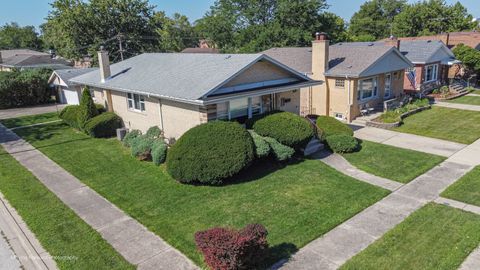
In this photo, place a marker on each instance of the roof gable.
(391, 61)
(425, 51)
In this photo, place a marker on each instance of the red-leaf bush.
(230, 249)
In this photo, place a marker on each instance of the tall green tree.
(470, 57)
(256, 25)
(374, 19)
(13, 36)
(174, 34)
(87, 109)
(432, 17)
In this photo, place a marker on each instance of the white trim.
(246, 86)
(140, 102)
(374, 95)
(434, 73)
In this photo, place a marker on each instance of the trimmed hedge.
(141, 147)
(130, 136)
(103, 126)
(342, 143)
(331, 126)
(154, 132)
(69, 115)
(25, 88)
(159, 152)
(285, 127)
(230, 249)
(280, 151)
(210, 153)
(251, 121)
(262, 148)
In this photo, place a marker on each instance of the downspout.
(349, 98)
(161, 114)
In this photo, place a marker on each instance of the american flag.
(412, 74)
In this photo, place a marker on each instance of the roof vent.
(228, 57)
(370, 44)
(429, 41)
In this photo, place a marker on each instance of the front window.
(136, 102)
(431, 73)
(367, 88)
(388, 85)
(238, 108)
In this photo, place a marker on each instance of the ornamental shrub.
(103, 126)
(342, 143)
(69, 115)
(280, 151)
(87, 109)
(132, 134)
(141, 147)
(159, 152)
(251, 121)
(262, 148)
(210, 153)
(229, 249)
(285, 127)
(154, 132)
(25, 88)
(331, 126)
(100, 108)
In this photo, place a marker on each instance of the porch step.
(312, 147)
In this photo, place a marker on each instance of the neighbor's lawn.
(29, 120)
(390, 162)
(471, 100)
(72, 243)
(444, 123)
(467, 189)
(435, 237)
(477, 92)
(297, 203)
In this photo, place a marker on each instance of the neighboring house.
(471, 39)
(203, 47)
(434, 63)
(24, 58)
(68, 92)
(357, 76)
(178, 91)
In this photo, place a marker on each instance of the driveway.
(18, 112)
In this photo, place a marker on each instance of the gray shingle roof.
(349, 59)
(10, 53)
(67, 74)
(422, 51)
(181, 76)
(24, 58)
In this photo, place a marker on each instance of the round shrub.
(103, 126)
(141, 147)
(262, 148)
(159, 152)
(287, 128)
(130, 136)
(280, 151)
(154, 132)
(342, 143)
(331, 126)
(69, 115)
(210, 153)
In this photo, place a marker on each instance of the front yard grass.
(435, 237)
(390, 162)
(72, 243)
(471, 100)
(455, 125)
(30, 120)
(297, 203)
(467, 189)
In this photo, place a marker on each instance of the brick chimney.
(320, 56)
(393, 41)
(104, 64)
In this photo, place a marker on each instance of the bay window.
(136, 102)
(431, 73)
(367, 88)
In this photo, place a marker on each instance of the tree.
(12, 36)
(374, 19)
(87, 109)
(256, 25)
(432, 17)
(175, 34)
(469, 57)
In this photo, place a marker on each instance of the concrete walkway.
(18, 112)
(409, 141)
(7, 257)
(473, 95)
(459, 106)
(131, 239)
(28, 250)
(339, 163)
(459, 205)
(472, 262)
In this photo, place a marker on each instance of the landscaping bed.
(296, 202)
(455, 125)
(467, 189)
(72, 243)
(393, 118)
(435, 237)
(444, 93)
(401, 165)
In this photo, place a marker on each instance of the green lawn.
(471, 100)
(29, 120)
(390, 162)
(72, 243)
(467, 189)
(444, 123)
(297, 203)
(477, 92)
(435, 237)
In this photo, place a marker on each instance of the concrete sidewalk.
(459, 106)
(409, 141)
(18, 112)
(7, 257)
(131, 239)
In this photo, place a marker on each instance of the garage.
(69, 96)
(67, 92)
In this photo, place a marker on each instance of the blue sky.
(33, 12)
